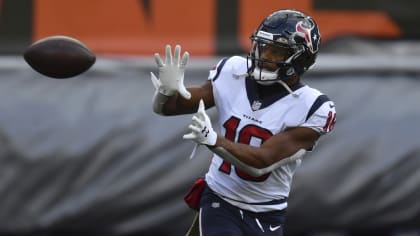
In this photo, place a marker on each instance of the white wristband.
(159, 101)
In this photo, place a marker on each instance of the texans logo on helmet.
(311, 34)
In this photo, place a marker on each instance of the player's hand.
(171, 73)
(201, 130)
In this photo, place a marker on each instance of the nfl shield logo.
(256, 105)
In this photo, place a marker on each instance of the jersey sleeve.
(322, 119)
(215, 71)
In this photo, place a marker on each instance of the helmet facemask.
(269, 71)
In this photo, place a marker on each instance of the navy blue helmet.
(290, 30)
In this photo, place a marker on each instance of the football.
(59, 57)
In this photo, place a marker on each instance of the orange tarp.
(131, 27)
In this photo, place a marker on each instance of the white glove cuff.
(211, 138)
(159, 101)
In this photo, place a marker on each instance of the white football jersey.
(245, 118)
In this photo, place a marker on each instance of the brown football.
(59, 57)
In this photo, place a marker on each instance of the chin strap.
(269, 82)
(237, 75)
(257, 72)
(288, 88)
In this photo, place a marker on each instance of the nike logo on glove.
(274, 228)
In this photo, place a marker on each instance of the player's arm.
(171, 97)
(278, 150)
(281, 148)
(177, 104)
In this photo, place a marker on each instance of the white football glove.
(201, 130)
(171, 73)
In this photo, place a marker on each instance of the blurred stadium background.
(86, 156)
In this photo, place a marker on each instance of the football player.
(267, 120)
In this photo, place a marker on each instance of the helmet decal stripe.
(307, 34)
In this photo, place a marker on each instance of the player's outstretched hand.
(201, 129)
(171, 73)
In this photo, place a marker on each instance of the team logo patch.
(256, 105)
(310, 33)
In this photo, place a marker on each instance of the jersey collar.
(260, 96)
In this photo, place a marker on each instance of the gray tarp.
(88, 154)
